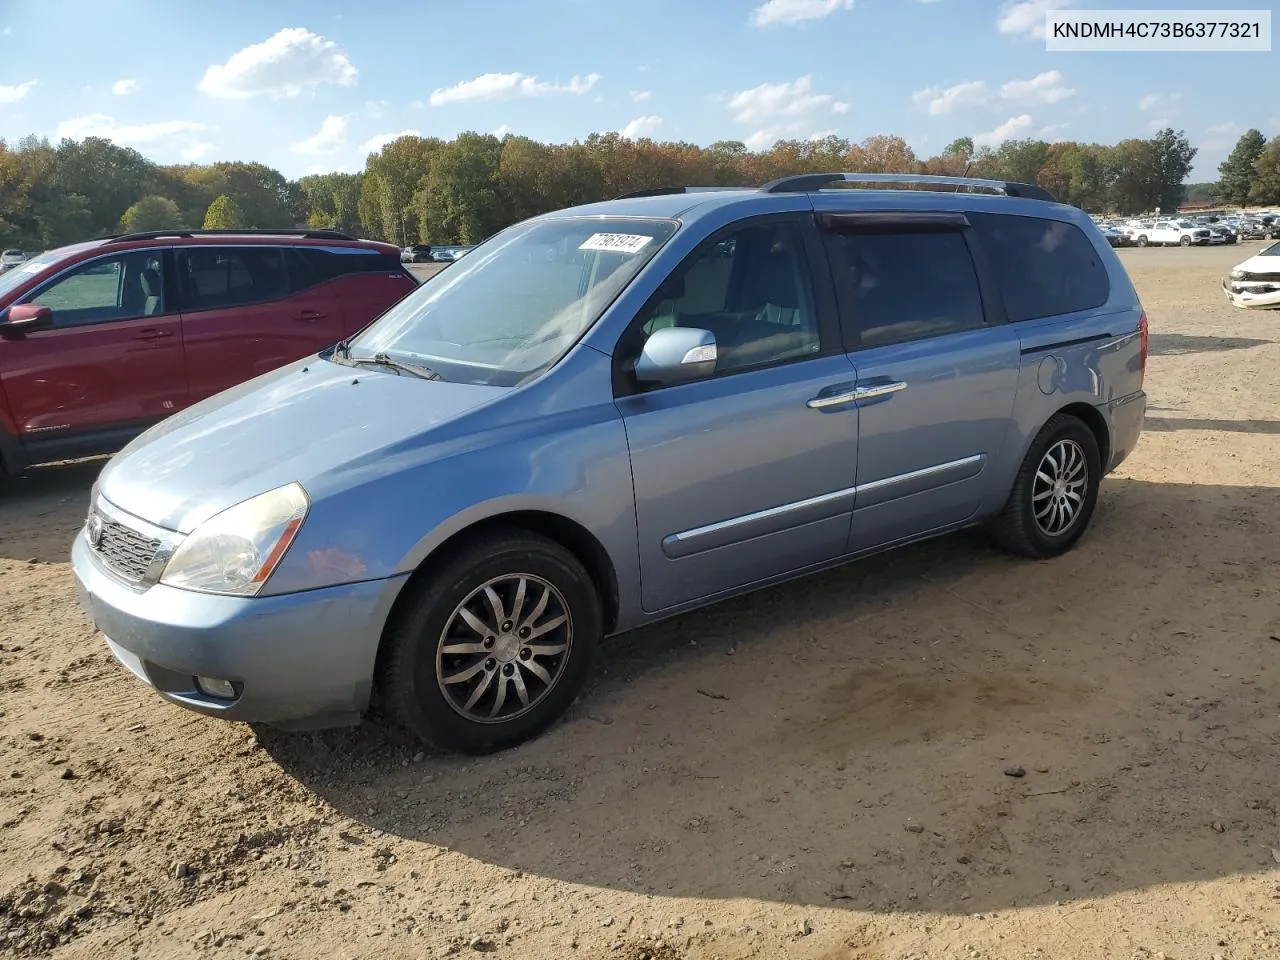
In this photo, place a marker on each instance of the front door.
(937, 372)
(111, 365)
(743, 476)
(241, 316)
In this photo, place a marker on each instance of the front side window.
(221, 277)
(127, 287)
(752, 291)
(1045, 267)
(513, 306)
(905, 286)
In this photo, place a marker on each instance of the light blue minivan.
(608, 415)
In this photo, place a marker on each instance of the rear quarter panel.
(1092, 357)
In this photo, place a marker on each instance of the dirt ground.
(819, 771)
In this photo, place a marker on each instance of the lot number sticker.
(616, 242)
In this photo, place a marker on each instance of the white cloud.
(1228, 127)
(331, 137)
(823, 134)
(1158, 123)
(122, 88)
(1051, 130)
(197, 151)
(380, 140)
(640, 96)
(794, 11)
(1042, 88)
(1045, 87)
(1006, 130)
(508, 86)
(1163, 102)
(1026, 17)
(763, 139)
(940, 100)
(782, 100)
(641, 127)
(502, 131)
(101, 125)
(16, 92)
(290, 63)
(376, 108)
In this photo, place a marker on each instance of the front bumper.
(301, 659)
(1252, 294)
(1125, 418)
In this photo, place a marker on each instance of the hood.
(1260, 264)
(304, 422)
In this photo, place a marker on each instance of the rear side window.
(219, 277)
(333, 262)
(1045, 267)
(904, 286)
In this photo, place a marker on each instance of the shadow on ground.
(844, 740)
(1169, 344)
(41, 510)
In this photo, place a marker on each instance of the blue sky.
(310, 85)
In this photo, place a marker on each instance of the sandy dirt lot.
(819, 771)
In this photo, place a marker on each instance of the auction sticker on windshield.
(616, 242)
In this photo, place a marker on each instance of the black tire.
(1142, 240)
(1185, 241)
(411, 693)
(1016, 529)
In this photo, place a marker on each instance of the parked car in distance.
(416, 253)
(1225, 233)
(1116, 236)
(100, 340)
(1255, 283)
(1254, 229)
(606, 416)
(10, 259)
(1170, 233)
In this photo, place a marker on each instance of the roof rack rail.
(808, 182)
(187, 234)
(666, 191)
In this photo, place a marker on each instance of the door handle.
(872, 390)
(151, 333)
(832, 400)
(309, 315)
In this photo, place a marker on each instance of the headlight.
(1237, 274)
(235, 551)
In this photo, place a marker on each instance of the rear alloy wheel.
(494, 647)
(1055, 492)
(1185, 241)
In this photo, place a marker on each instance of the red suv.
(100, 340)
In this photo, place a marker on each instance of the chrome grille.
(127, 552)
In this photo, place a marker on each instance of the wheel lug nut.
(488, 642)
(508, 670)
(524, 633)
(507, 625)
(526, 653)
(490, 663)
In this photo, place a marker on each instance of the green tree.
(1266, 186)
(1022, 160)
(461, 200)
(1237, 171)
(1173, 157)
(151, 213)
(1134, 177)
(223, 214)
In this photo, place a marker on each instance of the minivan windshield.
(513, 306)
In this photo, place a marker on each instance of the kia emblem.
(94, 531)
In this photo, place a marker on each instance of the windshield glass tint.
(512, 307)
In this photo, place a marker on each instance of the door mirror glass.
(675, 355)
(28, 316)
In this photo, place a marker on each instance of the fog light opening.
(217, 687)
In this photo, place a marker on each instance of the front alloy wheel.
(490, 644)
(504, 648)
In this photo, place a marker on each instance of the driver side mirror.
(27, 317)
(675, 355)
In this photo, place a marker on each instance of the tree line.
(425, 189)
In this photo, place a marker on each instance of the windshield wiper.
(400, 366)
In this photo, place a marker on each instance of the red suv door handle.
(151, 333)
(309, 315)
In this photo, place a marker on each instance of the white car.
(11, 258)
(1256, 282)
(1171, 233)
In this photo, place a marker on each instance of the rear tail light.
(1144, 341)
